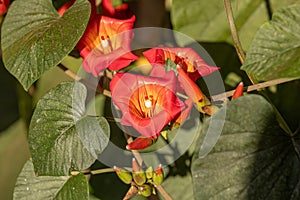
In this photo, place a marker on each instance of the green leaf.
(206, 21)
(29, 186)
(61, 136)
(253, 158)
(35, 38)
(182, 191)
(274, 52)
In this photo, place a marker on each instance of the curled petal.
(186, 58)
(192, 90)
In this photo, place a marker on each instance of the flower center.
(106, 43)
(148, 101)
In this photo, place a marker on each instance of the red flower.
(147, 103)
(106, 44)
(4, 6)
(186, 58)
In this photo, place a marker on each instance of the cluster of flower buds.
(142, 182)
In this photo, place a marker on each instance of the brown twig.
(253, 87)
(77, 78)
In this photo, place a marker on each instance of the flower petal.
(187, 58)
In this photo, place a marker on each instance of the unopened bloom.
(238, 91)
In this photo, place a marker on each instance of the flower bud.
(140, 143)
(149, 173)
(238, 91)
(139, 177)
(123, 175)
(145, 190)
(158, 176)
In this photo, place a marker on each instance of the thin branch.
(101, 171)
(253, 87)
(77, 78)
(69, 72)
(94, 172)
(163, 192)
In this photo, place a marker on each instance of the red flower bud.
(158, 176)
(238, 91)
(140, 143)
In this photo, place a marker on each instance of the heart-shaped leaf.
(29, 186)
(61, 136)
(253, 158)
(35, 38)
(274, 52)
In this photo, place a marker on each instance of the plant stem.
(101, 171)
(253, 87)
(163, 192)
(235, 36)
(77, 78)
(94, 172)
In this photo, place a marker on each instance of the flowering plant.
(146, 107)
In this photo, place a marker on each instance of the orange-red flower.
(4, 6)
(186, 58)
(106, 43)
(147, 103)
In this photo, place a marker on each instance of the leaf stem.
(235, 36)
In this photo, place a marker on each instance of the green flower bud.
(139, 177)
(149, 173)
(145, 190)
(123, 175)
(158, 176)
